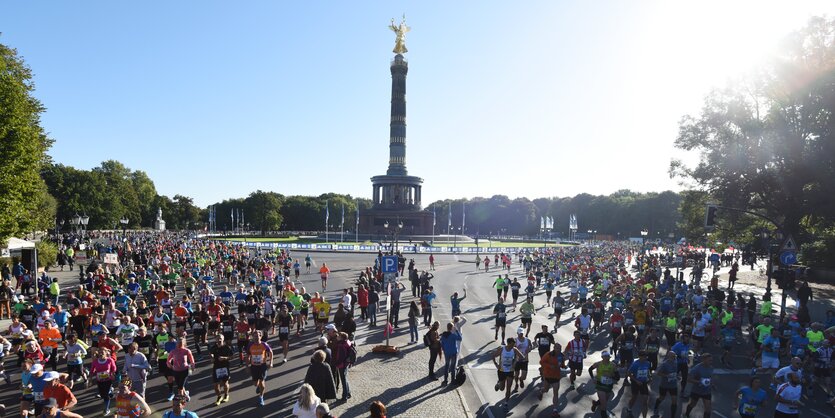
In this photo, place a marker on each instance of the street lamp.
(395, 231)
(84, 220)
(124, 221)
(767, 241)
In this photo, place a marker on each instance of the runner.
(284, 324)
(499, 284)
(604, 383)
(500, 310)
(749, 399)
(307, 262)
(700, 378)
(640, 376)
(558, 304)
(575, 351)
(527, 310)
(221, 353)
(668, 373)
(551, 364)
(324, 274)
(259, 358)
(788, 398)
(103, 369)
(130, 403)
(544, 340)
(181, 362)
(178, 410)
(524, 346)
(505, 358)
(75, 353)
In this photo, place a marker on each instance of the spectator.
(307, 403)
(323, 411)
(449, 344)
(320, 377)
(804, 293)
(377, 410)
(340, 358)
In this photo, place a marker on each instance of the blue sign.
(390, 264)
(788, 258)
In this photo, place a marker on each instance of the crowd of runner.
(652, 326)
(172, 299)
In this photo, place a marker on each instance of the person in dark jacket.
(319, 376)
(804, 293)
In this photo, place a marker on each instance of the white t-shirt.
(782, 374)
(788, 392)
(305, 413)
(346, 301)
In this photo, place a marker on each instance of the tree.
(23, 146)
(766, 142)
(265, 209)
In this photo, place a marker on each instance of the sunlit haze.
(217, 99)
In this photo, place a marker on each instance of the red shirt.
(61, 393)
(214, 312)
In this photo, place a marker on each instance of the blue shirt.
(682, 351)
(799, 345)
(751, 401)
(640, 369)
(60, 318)
(774, 344)
(448, 343)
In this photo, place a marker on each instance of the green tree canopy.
(24, 205)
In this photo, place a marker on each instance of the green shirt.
(763, 331)
(527, 309)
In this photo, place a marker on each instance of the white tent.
(19, 244)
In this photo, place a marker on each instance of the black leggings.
(104, 392)
(683, 369)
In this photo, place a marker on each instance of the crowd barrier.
(406, 249)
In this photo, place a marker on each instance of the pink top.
(179, 359)
(103, 371)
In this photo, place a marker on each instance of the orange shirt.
(61, 393)
(324, 270)
(47, 334)
(181, 313)
(162, 294)
(258, 353)
(550, 366)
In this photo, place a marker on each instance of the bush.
(47, 253)
(820, 252)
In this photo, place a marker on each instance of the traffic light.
(710, 216)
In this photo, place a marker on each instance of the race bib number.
(558, 306)
(227, 328)
(706, 382)
(283, 330)
(38, 396)
(103, 376)
(616, 324)
(47, 350)
(672, 377)
(606, 380)
(221, 372)
(501, 315)
(544, 342)
(323, 315)
(643, 374)
(257, 359)
(749, 409)
(145, 350)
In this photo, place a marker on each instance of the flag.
(358, 215)
(327, 214)
(342, 222)
(541, 222)
(433, 216)
(449, 223)
(463, 215)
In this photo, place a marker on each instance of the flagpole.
(327, 215)
(433, 224)
(342, 225)
(357, 228)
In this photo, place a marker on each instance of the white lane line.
(732, 371)
(820, 413)
(715, 412)
(478, 392)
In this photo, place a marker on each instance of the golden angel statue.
(400, 41)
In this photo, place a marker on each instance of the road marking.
(478, 392)
(732, 371)
(720, 415)
(820, 413)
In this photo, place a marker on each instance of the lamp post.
(124, 221)
(84, 220)
(767, 241)
(644, 234)
(395, 230)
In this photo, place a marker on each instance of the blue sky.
(217, 99)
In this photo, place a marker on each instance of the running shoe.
(261, 400)
(170, 397)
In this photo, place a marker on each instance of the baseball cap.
(330, 327)
(36, 368)
(605, 354)
(520, 330)
(49, 376)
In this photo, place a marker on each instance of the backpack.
(460, 377)
(351, 355)
(426, 340)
